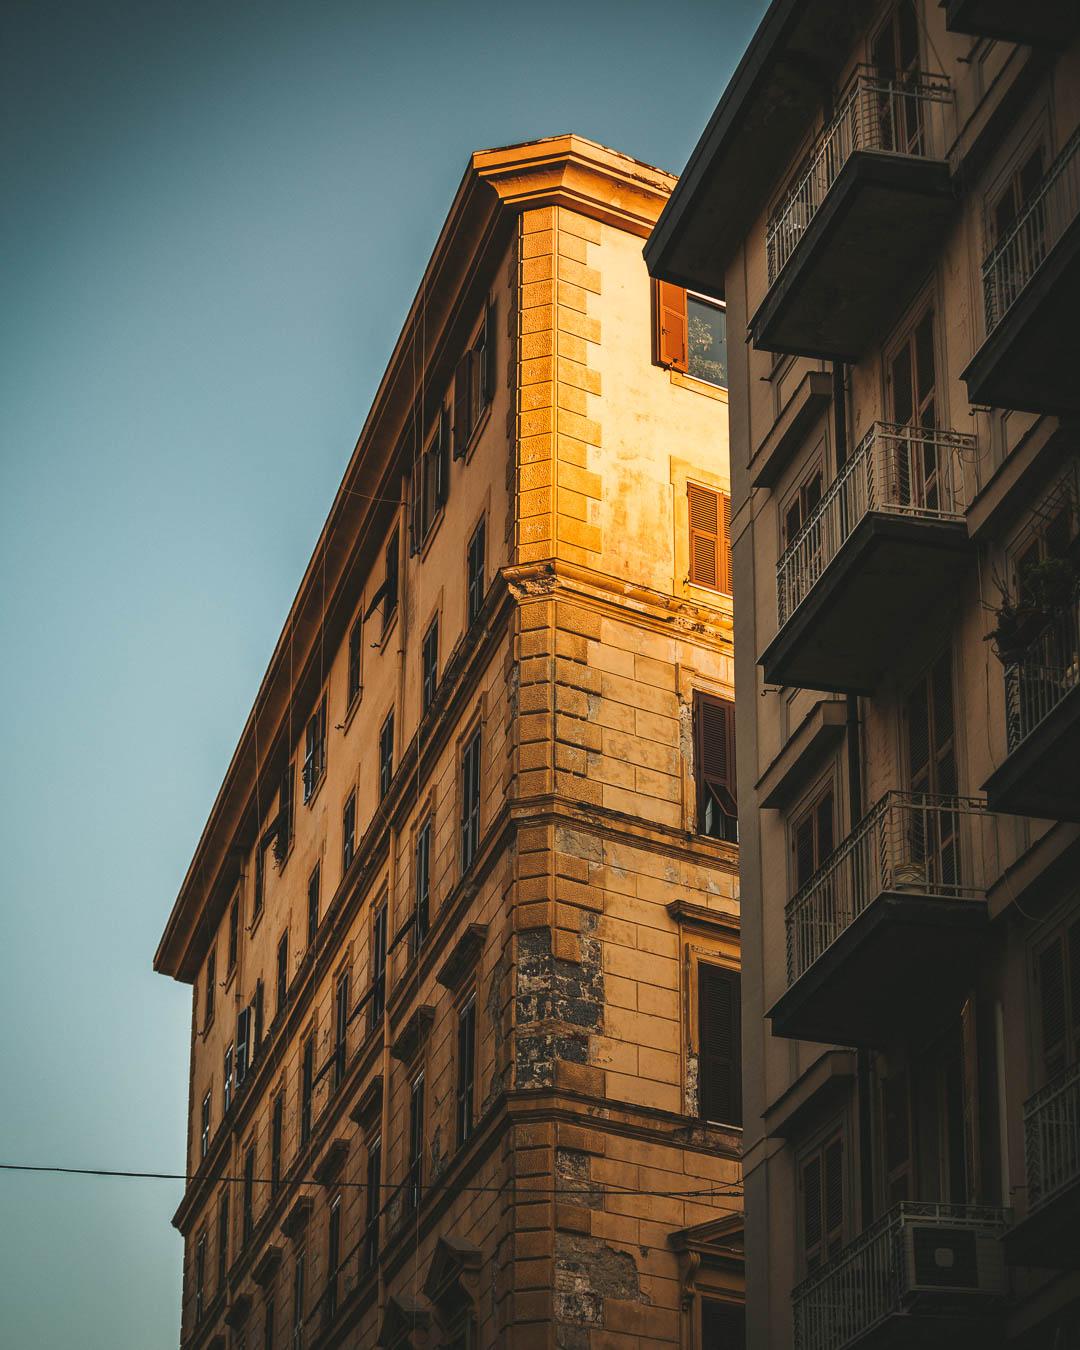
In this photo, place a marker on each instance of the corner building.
(462, 929)
(887, 195)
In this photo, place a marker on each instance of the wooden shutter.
(719, 1058)
(709, 514)
(834, 1197)
(724, 549)
(715, 758)
(462, 420)
(811, 1185)
(671, 342)
(488, 374)
(442, 462)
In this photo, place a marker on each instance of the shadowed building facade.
(888, 197)
(462, 929)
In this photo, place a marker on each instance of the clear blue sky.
(214, 218)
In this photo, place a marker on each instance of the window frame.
(470, 782)
(314, 770)
(466, 1068)
(718, 969)
(348, 831)
(698, 571)
(720, 306)
(809, 811)
(832, 1239)
(386, 754)
(476, 571)
(314, 899)
(354, 679)
(714, 781)
(429, 665)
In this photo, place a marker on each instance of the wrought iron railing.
(896, 469)
(914, 842)
(897, 115)
(1020, 253)
(1049, 669)
(1052, 1137)
(868, 1281)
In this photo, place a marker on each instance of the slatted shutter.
(705, 525)
(719, 1058)
(834, 1197)
(462, 417)
(489, 354)
(714, 762)
(725, 544)
(822, 1180)
(671, 335)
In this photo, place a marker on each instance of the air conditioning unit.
(946, 1259)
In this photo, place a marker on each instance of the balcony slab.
(1035, 23)
(1049, 1237)
(1041, 777)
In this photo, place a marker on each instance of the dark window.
(706, 340)
(258, 1007)
(475, 588)
(723, 1327)
(373, 1205)
(200, 1277)
(243, 1043)
(423, 881)
(307, 1087)
(341, 1028)
(298, 1302)
(313, 904)
(386, 755)
(281, 831)
(211, 985)
(390, 583)
(895, 53)
(416, 1143)
(315, 749)
(719, 1045)
(204, 1127)
(1057, 981)
(277, 1129)
(249, 1192)
(466, 1069)
(223, 1241)
(801, 507)
(932, 842)
(333, 1257)
(714, 767)
(474, 384)
(268, 1324)
(821, 1181)
(812, 837)
(470, 801)
(234, 933)
(709, 514)
(348, 831)
(430, 482)
(430, 664)
(356, 635)
(260, 879)
(227, 1076)
(282, 970)
(378, 966)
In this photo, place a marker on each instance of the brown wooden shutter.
(705, 526)
(724, 545)
(719, 1058)
(462, 422)
(671, 342)
(811, 1183)
(834, 1197)
(488, 376)
(715, 731)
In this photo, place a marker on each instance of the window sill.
(256, 919)
(350, 711)
(433, 530)
(309, 801)
(685, 381)
(387, 633)
(477, 432)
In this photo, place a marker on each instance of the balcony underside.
(936, 1331)
(1048, 1239)
(886, 576)
(1035, 23)
(1042, 775)
(1029, 361)
(896, 967)
(861, 257)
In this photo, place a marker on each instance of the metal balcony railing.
(909, 842)
(875, 112)
(1050, 668)
(1018, 256)
(896, 469)
(1052, 1137)
(870, 1279)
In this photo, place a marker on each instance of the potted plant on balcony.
(1018, 624)
(1051, 583)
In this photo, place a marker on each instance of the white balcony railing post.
(1050, 668)
(1052, 1137)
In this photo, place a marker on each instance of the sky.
(214, 218)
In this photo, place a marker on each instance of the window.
(298, 1303)
(234, 934)
(243, 1044)
(714, 767)
(429, 661)
(895, 54)
(211, 982)
(706, 340)
(227, 1076)
(249, 1192)
(475, 586)
(801, 506)
(896, 1136)
(423, 880)
(307, 1087)
(373, 1205)
(223, 1241)
(260, 880)
(282, 828)
(430, 482)
(719, 1045)
(933, 844)
(378, 966)
(348, 831)
(282, 970)
(470, 801)
(709, 515)
(341, 1028)
(313, 884)
(821, 1186)
(722, 1326)
(204, 1127)
(386, 755)
(352, 684)
(416, 1143)
(671, 334)
(333, 1257)
(812, 837)
(277, 1128)
(390, 581)
(268, 1324)
(200, 1277)
(466, 1069)
(474, 384)
(1057, 986)
(258, 1007)
(315, 750)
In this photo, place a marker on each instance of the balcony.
(922, 1275)
(883, 545)
(1042, 711)
(1035, 23)
(1031, 289)
(1048, 1237)
(852, 239)
(881, 937)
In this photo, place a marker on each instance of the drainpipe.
(855, 811)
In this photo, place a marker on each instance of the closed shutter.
(822, 1179)
(714, 728)
(811, 1183)
(462, 419)
(671, 340)
(725, 544)
(489, 354)
(719, 1078)
(834, 1197)
(705, 525)
(442, 460)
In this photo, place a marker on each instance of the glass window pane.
(707, 341)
